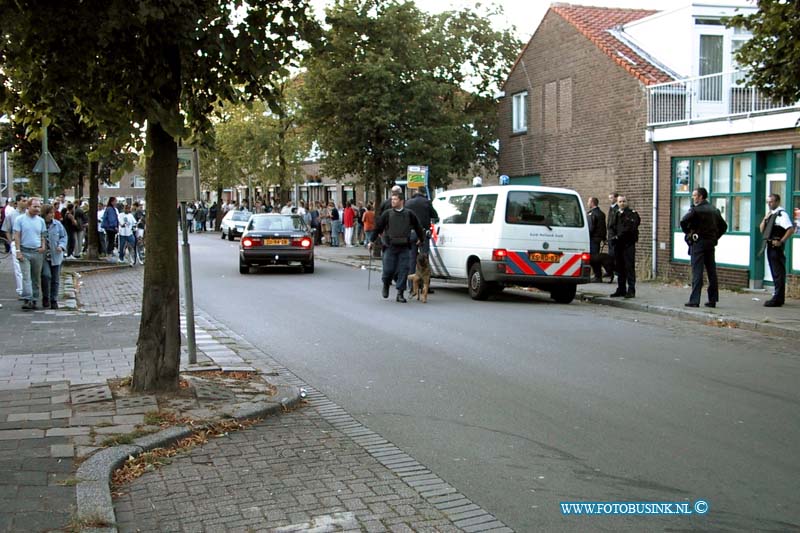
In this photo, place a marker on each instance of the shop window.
(682, 176)
(722, 175)
(741, 214)
(682, 205)
(702, 173)
(742, 174)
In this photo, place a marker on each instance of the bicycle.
(5, 247)
(140, 249)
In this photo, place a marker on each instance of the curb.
(696, 316)
(93, 491)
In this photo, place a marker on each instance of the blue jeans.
(395, 264)
(368, 236)
(129, 239)
(31, 265)
(51, 279)
(336, 227)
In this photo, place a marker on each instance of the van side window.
(544, 209)
(456, 209)
(483, 212)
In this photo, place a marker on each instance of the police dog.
(605, 262)
(421, 279)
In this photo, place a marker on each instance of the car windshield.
(240, 216)
(544, 209)
(276, 223)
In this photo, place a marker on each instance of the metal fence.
(705, 98)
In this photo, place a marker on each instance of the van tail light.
(499, 254)
(305, 242)
(586, 257)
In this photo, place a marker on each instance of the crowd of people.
(42, 237)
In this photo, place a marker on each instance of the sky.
(524, 14)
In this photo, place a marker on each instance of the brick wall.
(723, 145)
(586, 123)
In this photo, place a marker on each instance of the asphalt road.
(522, 403)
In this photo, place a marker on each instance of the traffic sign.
(46, 162)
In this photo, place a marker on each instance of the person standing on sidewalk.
(53, 258)
(597, 234)
(623, 234)
(110, 224)
(127, 226)
(349, 221)
(369, 223)
(8, 228)
(336, 224)
(397, 224)
(776, 228)
(703, 225)
(83, 224)
(30, 238)
(611, 210)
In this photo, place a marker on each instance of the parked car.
(273, 239)
(233, 223)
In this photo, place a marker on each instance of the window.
(728, 180)
(710, 63)
(544, 209)
(519, 112)
(138, 181)
(111, 185)
(796, 195)
(483, 212)
(455, 210)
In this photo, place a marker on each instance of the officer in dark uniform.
(597, 234)
(396, 224)
(423, 208)
(611, 210)
(623, 234)
(703, 226)
(776, 228)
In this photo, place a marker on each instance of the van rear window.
(544, 209)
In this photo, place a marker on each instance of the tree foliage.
(390, 85)
(773, 53)
(158, 66)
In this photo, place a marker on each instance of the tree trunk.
(94, 192)
(157, 360)
(218, 220)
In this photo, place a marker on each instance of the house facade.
(574, 112)
(671, 113)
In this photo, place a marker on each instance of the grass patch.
(126, 438)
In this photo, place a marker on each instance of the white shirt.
(127, 222)
(783, 219)
(286, 210)
(100, 222)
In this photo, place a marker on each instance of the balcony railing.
(716, 96)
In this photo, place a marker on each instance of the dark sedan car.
(272, 239)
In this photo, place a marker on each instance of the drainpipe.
(654, 231)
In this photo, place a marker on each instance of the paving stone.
(62, 450)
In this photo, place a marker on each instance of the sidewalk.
(736, 309)
(313, 467)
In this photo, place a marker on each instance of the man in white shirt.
(12, 213)
(127, 227)
(776, 228)
(287, 209)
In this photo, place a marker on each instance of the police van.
(491, 237)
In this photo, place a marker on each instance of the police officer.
(776, 230)
(622, 235)
(612, 197)
(597, 234)
(423, 209)
(703, 226)
(396, 224)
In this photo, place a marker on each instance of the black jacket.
(423, 208)
(597, 224)
(409, 223)
(705, 221)
(624, 227)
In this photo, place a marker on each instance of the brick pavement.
(313, 469)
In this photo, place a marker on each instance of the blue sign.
(504, 180)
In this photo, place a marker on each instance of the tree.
(158, 67)
(390, 86)
(773, 53)
(263, 144)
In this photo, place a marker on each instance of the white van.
(490, 237)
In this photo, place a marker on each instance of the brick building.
(574, 111)
(653, 104)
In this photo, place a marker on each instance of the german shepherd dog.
(421, 277)
(606, 263)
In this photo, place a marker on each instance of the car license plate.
(276, 242)
(545, 257)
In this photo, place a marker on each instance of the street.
(521, 403)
